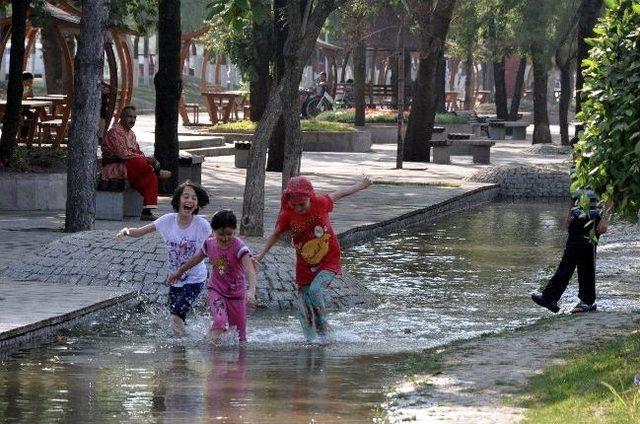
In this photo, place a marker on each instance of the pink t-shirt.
(227, 272)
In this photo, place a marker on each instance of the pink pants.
(227, 313)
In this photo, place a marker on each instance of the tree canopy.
(609, 150)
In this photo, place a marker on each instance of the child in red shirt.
(306, 216)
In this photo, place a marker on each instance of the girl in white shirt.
(183, 233)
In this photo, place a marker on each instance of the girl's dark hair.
(224, 219)
(203, 197)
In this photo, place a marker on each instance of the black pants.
(579, 253)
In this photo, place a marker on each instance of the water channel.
(456, 278)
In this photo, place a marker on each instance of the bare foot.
(177, 325)
(216, 335)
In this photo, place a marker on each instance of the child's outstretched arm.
(273, 239)
(337, 195)
(135, 232)
(195, 260)
(250, 273)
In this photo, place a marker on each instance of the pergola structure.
(66, 24)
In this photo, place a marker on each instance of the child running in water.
(230, 261)
(306, 216)
(183, 233)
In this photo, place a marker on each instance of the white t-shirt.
(182, 244)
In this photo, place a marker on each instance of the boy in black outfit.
(579, 252)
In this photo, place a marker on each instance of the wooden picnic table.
(224, 103)
(58, 102)
(451, 101)
(38, 105)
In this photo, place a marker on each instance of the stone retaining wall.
(32, 192)
(527, 181)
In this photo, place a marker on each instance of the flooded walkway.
(31, 310)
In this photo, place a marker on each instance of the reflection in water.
(456, 278)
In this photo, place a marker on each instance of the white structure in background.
(35, 65)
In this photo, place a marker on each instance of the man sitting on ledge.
(123, 159)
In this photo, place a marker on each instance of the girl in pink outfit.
(230, 263)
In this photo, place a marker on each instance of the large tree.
(11, 119)
(168, 83)
(83, 134)
(304, 20)
(433, 19)
(608, 150)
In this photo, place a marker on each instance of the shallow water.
(456, 278)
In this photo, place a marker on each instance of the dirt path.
(478, 377)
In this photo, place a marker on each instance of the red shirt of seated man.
(123, 159)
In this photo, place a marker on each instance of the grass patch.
(247, 126)
(594, 386)
(383, 116)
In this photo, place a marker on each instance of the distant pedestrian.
(231, 267)
(183, 233)
(306, 216)
(585, 224)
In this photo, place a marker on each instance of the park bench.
(462, 145)
(518, 129)
(496, 129)
(116, 199)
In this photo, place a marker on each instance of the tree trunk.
(52, 57)
(293, 133)
(541, 132)
(588, 12)
(359, 80)
(501, 89)
(422, 116)
(517, 90)
(440, 98)
(83, 134)
(345, 63)
(11, 120)
(304, 27)
(469, 98)
(393, 63)
(275, 159)
(566, 89)
(168, 83)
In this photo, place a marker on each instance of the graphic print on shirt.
(221, 265)
(179, 253)
(314, 250)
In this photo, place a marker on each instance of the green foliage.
(142, 15)
(247, 126)
(381, 116)
(608, 152)
(235, 27)
(594, 386)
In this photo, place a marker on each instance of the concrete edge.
(364, 233)
(37, 333)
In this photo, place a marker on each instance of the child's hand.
(366, 182)
(250, 298)
(122, 234)
(173, 278)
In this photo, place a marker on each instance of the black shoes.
(542, 301)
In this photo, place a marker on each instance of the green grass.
(382, 116)
(247, 126)
(595, 385)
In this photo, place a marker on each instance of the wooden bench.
(480, 150)
(115, 199)
(518, 129)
